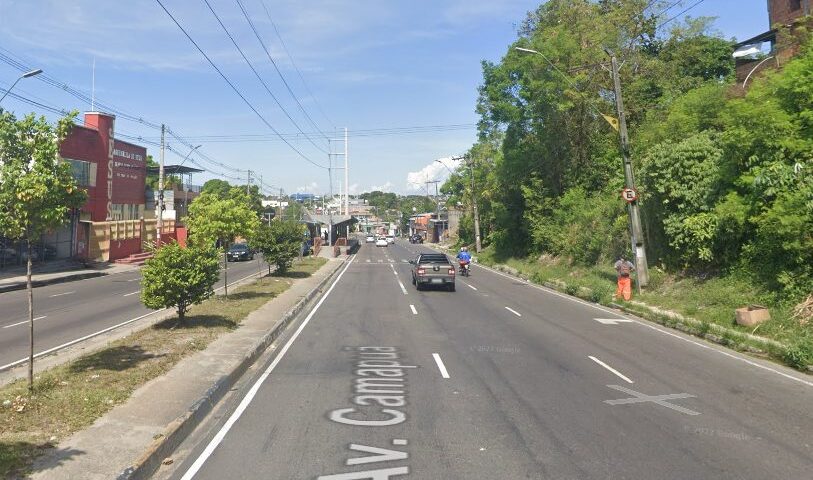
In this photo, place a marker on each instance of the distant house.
(751, 57)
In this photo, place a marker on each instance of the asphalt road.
(65, 312)
(500, 380)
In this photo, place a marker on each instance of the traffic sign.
(629, 194)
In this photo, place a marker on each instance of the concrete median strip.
(156, 417)
(182, 426)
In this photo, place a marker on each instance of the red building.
(111, 225)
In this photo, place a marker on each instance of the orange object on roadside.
(624, 289)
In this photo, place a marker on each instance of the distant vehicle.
(238, 252)
(370, 239)
(416, 238)
(433, 269)
(381, 242)
(390, 239)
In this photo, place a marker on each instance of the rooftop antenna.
(93, 88)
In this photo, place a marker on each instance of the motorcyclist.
(464, 257)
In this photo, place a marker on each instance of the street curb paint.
(177, 430)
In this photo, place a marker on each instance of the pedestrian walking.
(624, 267)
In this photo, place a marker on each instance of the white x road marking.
(638, 397)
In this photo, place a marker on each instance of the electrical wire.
(236, 90)
(698, 2)
(259, 77)
(279, 72)
(291, 58)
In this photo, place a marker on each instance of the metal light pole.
(160, 223)
(25, 75)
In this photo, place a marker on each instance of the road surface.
(66, 312)
(500, 380)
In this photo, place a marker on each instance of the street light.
(25, 75)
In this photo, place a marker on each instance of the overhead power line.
(236, 90)
(698, 2)
(279, 72)
(291, 58)
(259, 77)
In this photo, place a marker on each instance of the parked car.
(390, 239)
(381, 242)
(238, 252)
(433, 269)
(370, 238)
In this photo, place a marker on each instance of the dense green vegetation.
(724, 175)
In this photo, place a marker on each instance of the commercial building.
(113, 223)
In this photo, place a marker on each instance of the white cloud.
(312, 187)
(354, 189)
(386, 187)
(437, 170)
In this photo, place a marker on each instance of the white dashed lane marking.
(443, 372)
(513, 311)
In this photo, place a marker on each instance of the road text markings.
(244, 403)
(513, 311)
(610, 369)
(443, 372)
(412, 307)
(24, 321)
(638, 397)
(131, 293)
(612, 321)
(61, 294)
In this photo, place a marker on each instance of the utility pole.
(639, 252)
(437, 201)
(346, 177)
(248, 184)
(160, 223)
(477, 244)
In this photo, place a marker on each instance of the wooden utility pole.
(639, 252)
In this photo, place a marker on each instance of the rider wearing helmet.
(463, 255)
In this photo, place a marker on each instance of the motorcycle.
(464, 268)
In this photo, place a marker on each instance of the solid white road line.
(622, 377)
(403, 289)
(513, 311)
(443, 372)
(221, 434)
(393, 269)
(412, 307)
(24, 321)
(134, 279)
(61, 294)
(131, 293)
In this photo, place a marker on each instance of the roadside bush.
(280, 243)
(179, 277)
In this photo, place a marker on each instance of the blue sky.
(371, 65)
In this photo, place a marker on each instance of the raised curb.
(40, 283)
(177, 430)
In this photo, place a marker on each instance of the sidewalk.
(133, 438)
(57, 271)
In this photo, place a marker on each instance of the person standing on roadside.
(624, 268)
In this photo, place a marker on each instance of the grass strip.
(72, 396)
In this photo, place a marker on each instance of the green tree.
(215, 221)
(178, 277)
(37, 191)
(280, 243)
(217, 187)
